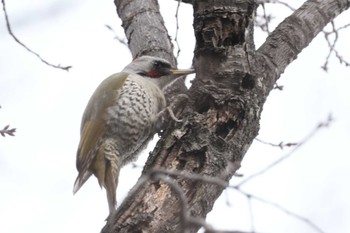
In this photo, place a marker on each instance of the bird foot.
(172, 115)
(179, 101)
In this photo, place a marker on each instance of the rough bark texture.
(222, 118)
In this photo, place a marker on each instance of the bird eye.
(157, 64)
(160, 65)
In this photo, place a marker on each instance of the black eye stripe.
(160, 64)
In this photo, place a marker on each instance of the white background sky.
(37, 166)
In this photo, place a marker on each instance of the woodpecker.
(119, 121)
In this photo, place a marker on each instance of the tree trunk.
(195, 159)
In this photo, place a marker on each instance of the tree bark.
(221, 120)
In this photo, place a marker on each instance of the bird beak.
(177, 72)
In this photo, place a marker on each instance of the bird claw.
(172, 115)
(176, 103)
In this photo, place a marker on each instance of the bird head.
(154, 68)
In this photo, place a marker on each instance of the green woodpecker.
(120, 119)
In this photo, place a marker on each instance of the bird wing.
(93, 126)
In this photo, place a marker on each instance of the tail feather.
(111, 186)
(81, 179)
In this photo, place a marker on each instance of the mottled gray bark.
(222, 117)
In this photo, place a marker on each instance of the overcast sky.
(37, 166)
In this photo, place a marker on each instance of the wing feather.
(94, 127)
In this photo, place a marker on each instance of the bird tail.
(81, 179)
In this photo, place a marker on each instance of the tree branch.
(292, 35)
(144, 28)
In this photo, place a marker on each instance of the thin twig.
(222, 183)
(7, 131)
(66, 68)
(276, 2)
(193, 176)
(281, 145)
(278, 87)
(292, 151)
(234, 231)
(251, 215)
(177, 29)
(285, 210)
(343, 27)
(332, 45)
(123, 41)
(267, 19)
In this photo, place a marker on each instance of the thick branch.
(144, 28)
(296, 32)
